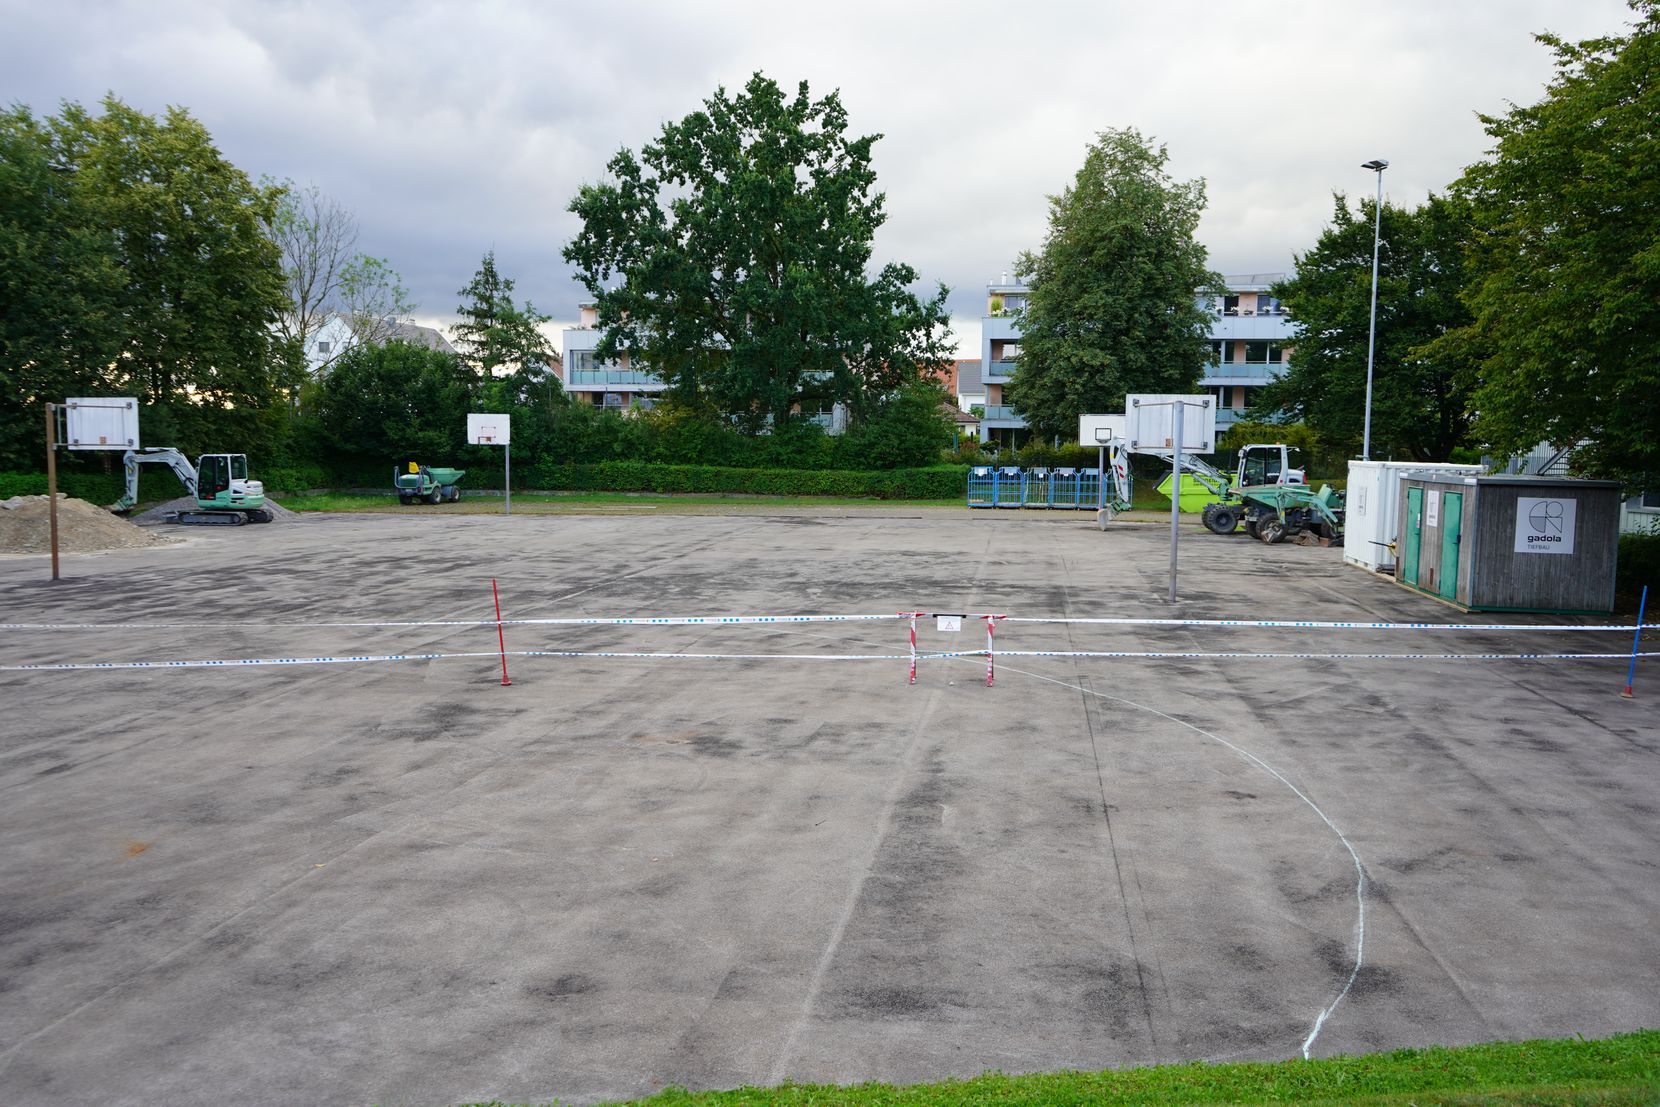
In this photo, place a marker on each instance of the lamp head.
(1376, 164)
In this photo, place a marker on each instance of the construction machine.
(1265, 492)
(416, 483)
(225, 496)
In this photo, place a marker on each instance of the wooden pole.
(52, 480)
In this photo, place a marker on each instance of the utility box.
(1373, 503)
(1506, 543)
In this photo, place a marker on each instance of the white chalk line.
(1360, 871)
(1154, 655)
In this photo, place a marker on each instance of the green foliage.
(133, 261)
(941, 482)
(1565, 273)
(1419, 395)
(742, 238)
(905, 430)
(1320, 456)
(391, 400)
(496, 336)
(1639, 565)
(1113, 306)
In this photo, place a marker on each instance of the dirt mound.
(26, 527)
(159, 513)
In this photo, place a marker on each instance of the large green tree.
(136, 262)
(60, 287)
(1565, 270)
(1114, 289)
(1419, 402)
(732, 256)
(392, 399)
(495, 336)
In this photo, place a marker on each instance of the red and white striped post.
(912, 615)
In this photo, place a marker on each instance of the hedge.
(1640, 565)
(942, 482)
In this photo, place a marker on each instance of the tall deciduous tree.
(60, 286)
(740, 242)
(1114, 290)
(1565, 272)
(202, 282)
(1419, 400)
(496, 337)
(326, 276)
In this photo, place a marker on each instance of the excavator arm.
(160, 455)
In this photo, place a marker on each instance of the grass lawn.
(1624, 1069)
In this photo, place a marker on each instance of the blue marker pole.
(1631, 670)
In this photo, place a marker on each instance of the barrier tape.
(226, 663)
(736, 620)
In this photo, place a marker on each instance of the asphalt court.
(401, 882)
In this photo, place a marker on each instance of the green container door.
(1414, 532)
(1452, 524)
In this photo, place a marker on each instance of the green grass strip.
(1624, 1069)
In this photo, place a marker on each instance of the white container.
(1373, 507)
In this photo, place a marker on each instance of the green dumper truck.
(416, 483)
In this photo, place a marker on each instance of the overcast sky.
(451, 129)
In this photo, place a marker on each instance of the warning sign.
(1545, 526)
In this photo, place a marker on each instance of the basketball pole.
(52, 481)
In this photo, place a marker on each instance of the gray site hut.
(1507, 543)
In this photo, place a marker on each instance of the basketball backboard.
(489, 430)
(1152, 423)
(1101, 430)
(100, 423)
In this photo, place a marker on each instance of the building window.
(1650, 500)
(324, 347)
(1256, 352)
(581, 359)
(1230, 305)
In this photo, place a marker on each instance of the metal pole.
(1175, 496)
(507, 453)
(1631, 671)
(1101, 486)
(1372, 330)
(52, 480)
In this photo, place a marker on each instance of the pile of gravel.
(26, 527)
(159, 513)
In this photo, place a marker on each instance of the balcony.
(1273, 328)
(1243, 372)
(997, 372)
(611, 378)
(1001, 416)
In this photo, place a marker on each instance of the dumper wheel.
(454, 494)
(1271, 530)
(1221, 518)
(435, 496)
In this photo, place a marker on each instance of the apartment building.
(621, 386)
(1249, 338)
(616, 385)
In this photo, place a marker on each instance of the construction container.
(1373, 503)
(1011, 487)
(1510, 543)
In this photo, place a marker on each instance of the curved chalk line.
(1360, 871)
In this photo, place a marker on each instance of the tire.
(1221, 518)
(452, 494)
(436, 496)
(1251, 527)
(403, 498)
(1271, 530)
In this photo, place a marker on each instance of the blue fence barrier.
(1054, 489)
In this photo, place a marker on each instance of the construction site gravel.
(739, 861)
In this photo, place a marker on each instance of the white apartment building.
(1249, 338)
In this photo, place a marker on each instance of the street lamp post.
(1379, 165)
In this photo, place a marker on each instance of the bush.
(1639, 564)
(943, 482)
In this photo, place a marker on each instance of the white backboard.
(489, 430)
(100, 423)
(1152, 421)
(1101, 430)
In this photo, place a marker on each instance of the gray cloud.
(452, 129)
